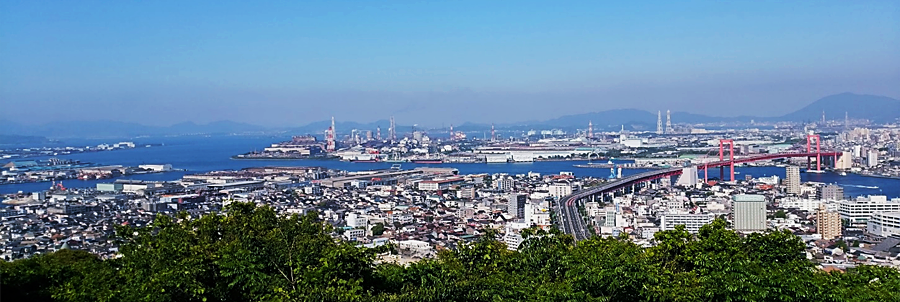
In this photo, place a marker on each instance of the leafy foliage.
(251, 253)
(378, 229)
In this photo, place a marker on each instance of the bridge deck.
(576, 228)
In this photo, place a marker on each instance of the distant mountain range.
(879, 109)
(114, 129)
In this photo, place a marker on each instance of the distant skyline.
(292, 63)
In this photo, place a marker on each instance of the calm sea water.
(203, 154)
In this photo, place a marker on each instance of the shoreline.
(878, 176)
(282, 158)
(77, 179)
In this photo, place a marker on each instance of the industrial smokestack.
(668, 122)
(659, 128)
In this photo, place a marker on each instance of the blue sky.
(293, 62)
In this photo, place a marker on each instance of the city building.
(356, 220)
(439, 184)
(691, 222)
(612, 218)
(792, 180)
(516, 205)
(859, 211)
(110, 187)
(845, 161)
(884, 224)
(828, 223)
(466, 192)
(354, 234)
(689, 177)
(872, 158)
(560, 190)
(68, 209)
(803, 204)
(749, 213)
(512, 239)
(157, 168)
(504, 183)
(830, 192)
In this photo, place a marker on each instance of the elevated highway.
(572, 222)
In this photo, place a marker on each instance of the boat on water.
(843, 173)
(374, 160)
(815, 171)
(426, 161)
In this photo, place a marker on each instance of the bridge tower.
(722, 143)
(809, 139)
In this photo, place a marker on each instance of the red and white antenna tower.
(590, 133)
(493, 134)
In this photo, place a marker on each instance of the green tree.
(251, 253)
(780, 214)
(378, 229)
(43, 277)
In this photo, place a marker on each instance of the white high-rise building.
(513, 239)
(749, 213)
(872, 158)
(845, 161)
(504, 183)
(884, 224)
(691, 222)
(859, 211)
(807, 204)
(689, 177)
(792, 180)
(560, 190)
(356, 220)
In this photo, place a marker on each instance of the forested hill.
(255, 254)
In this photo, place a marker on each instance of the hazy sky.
(294, 62)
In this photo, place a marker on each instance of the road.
(573, 223)
(571, 220)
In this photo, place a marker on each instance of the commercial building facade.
(691, 222)
(560, 190)
(859, 211)
(749, 213)
(884, 224)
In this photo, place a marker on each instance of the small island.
(299, 147)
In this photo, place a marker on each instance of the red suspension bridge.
(572, 223)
